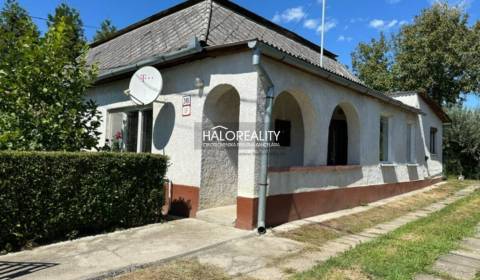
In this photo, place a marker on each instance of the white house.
(341, 144)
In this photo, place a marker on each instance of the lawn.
(408, 244)
(407, 251)
(318, 234)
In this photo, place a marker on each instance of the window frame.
(433, 144)
(140, 126)
(410, 147)
(386, 153)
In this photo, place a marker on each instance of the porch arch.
(344, 136)
(293, 111)
(219, 170)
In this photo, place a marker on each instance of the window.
(384, 139)
(124, 126)
(147, 131)
(433, 140)
(284, 127)
(338, 139)
(410, 144)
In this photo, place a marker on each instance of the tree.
(462, 142)
(44, 84)
(438, 53)
(474, 56)
(431, 54)
(66, 121)
(106, 30)
(19, 38)
(372, 63)
(75, 41)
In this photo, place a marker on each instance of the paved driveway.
(96, 256)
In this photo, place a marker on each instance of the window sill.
(388, 164)
(412, 165)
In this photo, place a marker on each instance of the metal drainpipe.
(267, 119)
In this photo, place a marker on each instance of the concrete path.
(238, 252)
(462, 264)
(271, 257)
(225, 215)
(108, 254)
(341, 213)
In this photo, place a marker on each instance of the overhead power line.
(85, 25)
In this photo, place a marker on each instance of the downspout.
(264, 147)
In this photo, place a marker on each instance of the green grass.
(319, 234)
(406, 251)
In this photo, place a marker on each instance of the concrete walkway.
(122, 251)
(238, 252)
(271, 257)
(225, 215)
(462, 264)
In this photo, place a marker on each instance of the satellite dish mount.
(145, 86)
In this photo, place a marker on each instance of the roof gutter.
(193, 47)
(335, 78)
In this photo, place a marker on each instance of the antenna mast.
(323, 33)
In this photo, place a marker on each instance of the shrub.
(462, 143)
(51, 196)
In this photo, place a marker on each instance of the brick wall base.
(289, 207)
(185, 201)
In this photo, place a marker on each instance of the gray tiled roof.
(215, 23)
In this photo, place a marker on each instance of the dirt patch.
(179, 270)
(354, 273)
(411, 237)
(316, 234)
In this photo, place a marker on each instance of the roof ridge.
(267, 23)
(209, 4)
(208, 20)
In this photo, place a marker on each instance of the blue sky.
(348, 21)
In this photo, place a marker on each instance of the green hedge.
(50, 196)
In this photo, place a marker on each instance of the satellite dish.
(145, 85)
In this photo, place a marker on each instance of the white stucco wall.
(317, 99)
(185, 161)
(434, 163)
(311, 91)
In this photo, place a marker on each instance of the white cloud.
(381, 24)
(329, 24)
(343, 38)
(377, 23)
(315, 24)
(358, 19)
(392, 23)
(464, 4)
(292, 14)
(311, 23)
(277, 18)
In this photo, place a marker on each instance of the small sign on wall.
(186, 105)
